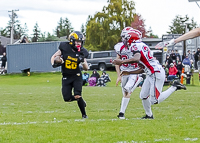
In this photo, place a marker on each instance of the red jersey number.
(124, 57)
(149, 56)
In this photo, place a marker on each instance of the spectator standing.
(3, 65)
(173, 55)
(186, 61)
(189, 55)
(168, 61)
(177, 55)
(168, 53)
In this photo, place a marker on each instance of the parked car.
(101, 60)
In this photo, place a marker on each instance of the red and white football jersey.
(125, 53)
(151, 64)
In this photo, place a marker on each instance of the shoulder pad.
(85, 52)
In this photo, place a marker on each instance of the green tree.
(51, 37)
(83, 28)
(64, 28)
(104, 28)
(36, 33)
(25, 29)
(179, 24)
(42, 37)
(3, 32)
(18, 30)
(150, 34)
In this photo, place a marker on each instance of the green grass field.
(32, 111)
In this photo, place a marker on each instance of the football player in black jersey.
(72, 53)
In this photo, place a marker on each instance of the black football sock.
(81, 105)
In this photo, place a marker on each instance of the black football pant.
(73, 82)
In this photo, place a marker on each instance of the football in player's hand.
(58, 60)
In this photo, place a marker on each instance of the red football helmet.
(130, 35)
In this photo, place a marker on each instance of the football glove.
(58, 61)
(169, 43)
(81, 57)
(55, 65)
(161, 45)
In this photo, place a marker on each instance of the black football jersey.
(70, 57)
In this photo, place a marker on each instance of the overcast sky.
(158, 14)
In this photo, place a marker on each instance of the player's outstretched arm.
(189, 35)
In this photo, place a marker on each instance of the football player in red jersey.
(129, 82)
(151, 92)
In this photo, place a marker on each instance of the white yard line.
(29, 122)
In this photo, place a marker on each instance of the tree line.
(102, 30)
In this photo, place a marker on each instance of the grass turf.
(32, 111)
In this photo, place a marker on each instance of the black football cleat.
(178, 85)
(147, 117)
(121, 115)
(84, 116)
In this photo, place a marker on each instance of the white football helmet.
(130, 35)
